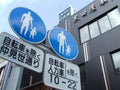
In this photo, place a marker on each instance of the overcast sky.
(48, 10)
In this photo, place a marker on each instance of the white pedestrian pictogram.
(26, 20)
(62, 41)
(33, 33)
(68, 50)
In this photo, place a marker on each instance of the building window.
(84, 34)
(94, 30)
(114, 17)
(104, 24)
(116, 61)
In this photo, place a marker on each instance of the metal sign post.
(6, 75)
(14, 77)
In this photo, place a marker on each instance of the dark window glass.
(104, 24)
(84, 34)
(114, 17)
(116, 61)
(94, 30)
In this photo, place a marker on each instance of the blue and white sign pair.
(63, 43)
(27, 25)
(30, 27)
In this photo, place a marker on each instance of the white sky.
(48, 10)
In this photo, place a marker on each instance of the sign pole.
(14, 77)
(6, 75)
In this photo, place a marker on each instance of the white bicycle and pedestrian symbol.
(63, 43)
(27, 21)
(28, 25)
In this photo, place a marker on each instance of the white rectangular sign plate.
(61, 74)
(21, 53)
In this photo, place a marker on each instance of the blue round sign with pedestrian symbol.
(63, 43)
(27, 25)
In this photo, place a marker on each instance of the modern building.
(96, 28)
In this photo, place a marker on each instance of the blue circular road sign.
(63, 43)
(27, 25)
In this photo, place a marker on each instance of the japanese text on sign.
(21, 53)
(61, 74)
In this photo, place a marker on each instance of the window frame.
(111, 23)
(112, 60)
(81, 33)
(99, 33)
